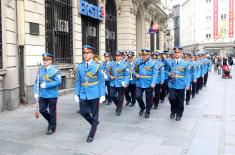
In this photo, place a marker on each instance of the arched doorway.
(111, 27)
(90, 29)
(139, 35)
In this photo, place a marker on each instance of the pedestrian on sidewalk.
(90, 89)
(46, 91)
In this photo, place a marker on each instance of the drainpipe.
(21, 42)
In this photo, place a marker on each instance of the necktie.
(87, 65)
(177, 62)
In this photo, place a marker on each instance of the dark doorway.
(90, 29)
(157, 40)
(152, 42)
(111, 27)
(59, 35)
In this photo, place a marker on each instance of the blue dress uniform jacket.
(121, 73)
(160, 72)
(90, 83)
(164, 62)
(52, 78)
(190, 65)
(148, 72)
(182, 76)
(195, 70)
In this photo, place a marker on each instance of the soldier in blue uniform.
(195, 73)
(130, 100)
(164, 86)
(105, 65)
(201, 72)
(208, 65)
(146, 74)
(46, 91)
(119, 75)
(160, 79)
(187, 58)
(179, 74)
(90, 89)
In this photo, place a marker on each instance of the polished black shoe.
(155, 107)
(49, 132)
(78, 111)
(108, 103)
(187, 103)
(162, 101)
(132, 105)
(178, 118)
(118, 113)
(89, 139)
(193, 96)
(146, 115)
(127, 103)
(141, 112)
(197, 92)
(172, 116)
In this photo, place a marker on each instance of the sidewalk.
(207, 128)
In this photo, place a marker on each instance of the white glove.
(152, 85)
(102, 99)
(76, 98)
(123, 84)
(105, 77)
(43, 85)
(36, 96)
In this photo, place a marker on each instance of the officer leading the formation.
(46, 91)
(90, 89)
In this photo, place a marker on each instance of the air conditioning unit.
(91, 31)
(62, 26)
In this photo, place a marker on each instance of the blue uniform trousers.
(157, 95)
(149, 98)
(205, 79)
(50, 116)
(176, 98)
(117, 95)
(131, 89)
(164, 90)
(188, 93)
(194, 88)
(89, 109)
(107, 94)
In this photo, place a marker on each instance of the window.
(223, 16)
(208, 36)
(208, 18)
(208, 1)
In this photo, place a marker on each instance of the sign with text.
(231, 19)
(215, 19)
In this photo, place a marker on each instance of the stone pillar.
(2, 74)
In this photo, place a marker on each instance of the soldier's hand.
(188, 88)
(152, 85)
(76, 99)
(112, 77)
(172, 75)
(102, 99)
(137, 76)
(36, 96)
(43, 85)
(123, 84)
(195, 81)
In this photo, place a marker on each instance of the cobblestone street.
(207, 128)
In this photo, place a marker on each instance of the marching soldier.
(160, 79)
(119, 75)
(195, 70)
(208, 65)
(179, 74)
(164, 87)
(201, 72)
(105, 65)
(90, 89)
(46, 91)
(146, 73)
(130, 100)
(190, 65)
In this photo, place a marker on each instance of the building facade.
(208, 25)
(29, 28)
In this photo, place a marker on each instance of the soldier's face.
(118, 57)
(107, 58)
(47, 61)
(146, 56)
(178, 55)
(88, 56)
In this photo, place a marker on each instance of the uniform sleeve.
(127, 75)
(36, 85)
(56, 81)
(194, 72)
(155, 74)
(78, 83)
(188, 76)
(162, 73)
(101, 81)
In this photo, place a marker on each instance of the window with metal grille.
(59, 37)
(1, 62)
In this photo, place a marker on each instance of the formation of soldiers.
(157, 74)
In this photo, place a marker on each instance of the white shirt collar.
(118, 62)
(89, 62)
(178, 60)
(48, 67)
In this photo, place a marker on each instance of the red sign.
(155, 27)
(231, 19)
(215, 19)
